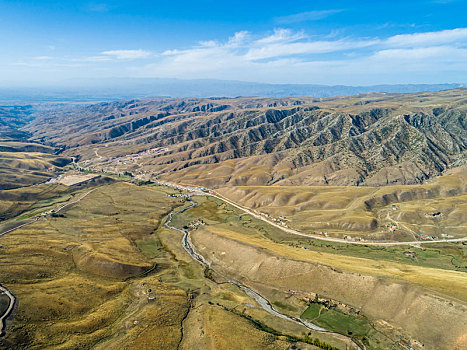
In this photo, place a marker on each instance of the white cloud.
(238, 39)
(127, 54)
(306, 16)
(43, 58)
(288, 56)
(301, 48)
(456, 36)
(281, 43)
(446, 53)
(281, 35)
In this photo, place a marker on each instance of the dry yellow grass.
(364, 211)
(450, 283)
(207, 325)
(431, 314)
(77, 286)
(19, 169)
(69, 273)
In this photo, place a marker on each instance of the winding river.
(262, 301)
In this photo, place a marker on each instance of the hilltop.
(369, 139)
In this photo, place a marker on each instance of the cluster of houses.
(332, 304)
(136, 156)
(46, 213)
(203, 189)
(282, 219)
(426, 237)
(195, 224)
(178, 195)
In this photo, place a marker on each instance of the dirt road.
(297, 233)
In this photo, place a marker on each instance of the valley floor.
(104, 265)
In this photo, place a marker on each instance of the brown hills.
(106, 272)
(373, 139)
(26, 163)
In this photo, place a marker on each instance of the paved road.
(37, 217)
(6, 291)
(19, 226)
(7, 312)
(330, 239)
(297, 233)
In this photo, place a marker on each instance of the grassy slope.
(28, 201)
(62, 290)
(67, 300)
(365, 212)
(249, 247)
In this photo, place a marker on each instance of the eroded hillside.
(375, 139)
(433, 210)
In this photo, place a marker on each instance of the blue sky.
(316, 42)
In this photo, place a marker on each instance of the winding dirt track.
(37, 217)
(330, 239)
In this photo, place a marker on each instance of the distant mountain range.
(120, 88)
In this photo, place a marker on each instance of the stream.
(262, 301)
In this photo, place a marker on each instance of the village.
(134, 157)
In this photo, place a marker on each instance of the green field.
(449, 256)
(84, 281)
(337, 320)
(248, 244)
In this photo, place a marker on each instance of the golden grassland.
(69, 273)
(19, 169)
(207, 320)
(216, 300)
(84, 281)
(437, 208)
(28, 201)
(391, 292)
(219, 169)
(451, 283)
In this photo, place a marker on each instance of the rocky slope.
(374, 139)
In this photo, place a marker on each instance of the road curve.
(330, 239)
(8, 310)
(297, 233)
(6, 291)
